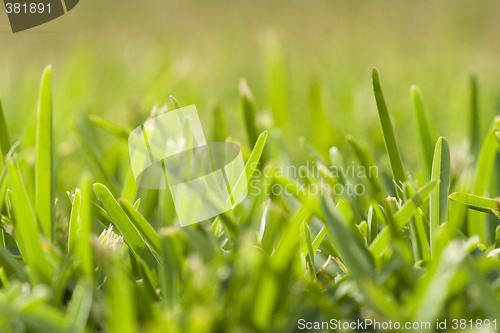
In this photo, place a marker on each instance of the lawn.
(372, 192)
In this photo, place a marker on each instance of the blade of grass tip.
(250, 167)
(372, 225)
(390, 140)
(4, 133)
(439, 198)
(175, 102)
(308, 251)
(319, 239)
(337, 162)
(249, 112)
(474, 130)
(132, 237)
(425, 135)
(485, 205)
(25, 227)
(74, 223)
(137, 204)
(44, 164)
(411, 206)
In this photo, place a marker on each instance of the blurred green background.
(118, 60)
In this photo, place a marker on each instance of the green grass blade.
(417, 233)
(25, 227)
(121, 221)
(265, 301)
(250, 167)
(319, 121)
(425, 138)
(83, 247)
(475, 202)
(248, 107)
(474, 130)
(175, 102)
(366, 161)
(308, 249)
(252, 163)
(4, 133)
(484, 169)
(411, 206)
(89, 145)
(115, 130)
(79, 308)
(44, 165)
(431, 291)
(439, 198)
(219, 132)
(486, 159)
(142, 225)
(402, 217)
(319, 239)
(275, 69)
(372, 221)
(486, 293)
(353, 252)
(170, 270)
(121, 316)
(74, 221)
(388, 131)
(129, 188)
(11, 267)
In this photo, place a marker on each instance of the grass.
(419, 244)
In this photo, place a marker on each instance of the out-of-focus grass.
(402, 250)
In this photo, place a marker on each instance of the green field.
(373, 193)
